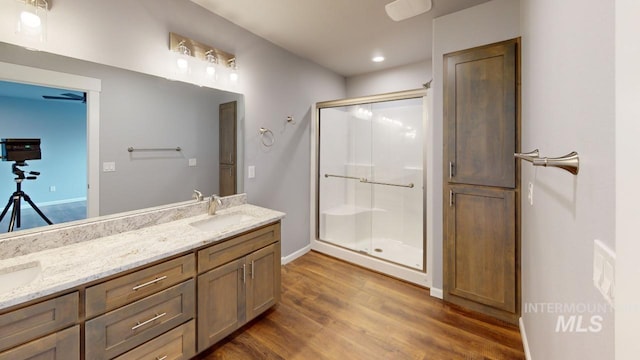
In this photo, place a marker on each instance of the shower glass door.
(370, 179)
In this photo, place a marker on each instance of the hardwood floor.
(334, 310)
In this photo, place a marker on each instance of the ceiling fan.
(68, 96)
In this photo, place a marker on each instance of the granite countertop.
(72, 265)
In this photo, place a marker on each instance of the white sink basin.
(18, 275)
(220, 222)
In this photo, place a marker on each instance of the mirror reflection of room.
(55, 178)
(136, 111)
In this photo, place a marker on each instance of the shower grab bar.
(366, 181)
(409, 185)
(345, 177)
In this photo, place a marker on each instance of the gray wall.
(568, 103)
(145, 111)
(400, 78)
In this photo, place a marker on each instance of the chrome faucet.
(197, 195)
(214, 201)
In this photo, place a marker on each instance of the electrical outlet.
(192, 162)
(52, 188)
(251, 171)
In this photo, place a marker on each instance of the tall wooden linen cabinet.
(228, 157)
(481, 179)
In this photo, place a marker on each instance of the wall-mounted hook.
(290, 120)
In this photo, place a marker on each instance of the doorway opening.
(66, 120)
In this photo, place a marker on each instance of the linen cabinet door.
(480, 249)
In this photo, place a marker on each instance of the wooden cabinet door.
(263, 283)
(227, 180)
(480, 115)
(221, 298)
(228, 161)
(481, 249)
(227, 118)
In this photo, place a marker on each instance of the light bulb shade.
(233, 76)
(233, 73)
(182, 64)
(32, 19)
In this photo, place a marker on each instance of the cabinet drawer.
(129, 288)
(177, 344)
(63, 345)
(31, 322)
(237, 247)
(123, 329)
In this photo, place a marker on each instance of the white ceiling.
(341, 35)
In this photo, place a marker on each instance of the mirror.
(148, 114)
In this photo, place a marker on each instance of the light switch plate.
(109, 166)
(193, 162)
(251, 171)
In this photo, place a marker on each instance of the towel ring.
(265, 139)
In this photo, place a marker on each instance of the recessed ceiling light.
(378, 59)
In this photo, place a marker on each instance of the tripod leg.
(15, 214)
(28, 199)
(16, 208)
(6, 208)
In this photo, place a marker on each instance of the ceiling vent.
(403, 9)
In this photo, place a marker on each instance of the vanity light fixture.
(208, 62)
(32, 19)
(182, 58)
(212, 64)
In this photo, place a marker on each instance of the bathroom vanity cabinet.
(232, 293)
(150, 312)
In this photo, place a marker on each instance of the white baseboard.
(525, 343)
(436, 293)
(289, 258)
(25, 205)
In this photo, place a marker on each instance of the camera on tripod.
(19, 151)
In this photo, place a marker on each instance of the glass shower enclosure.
(370, 177)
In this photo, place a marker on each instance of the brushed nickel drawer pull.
(138, 287)
(139, 324)
(162, 358)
